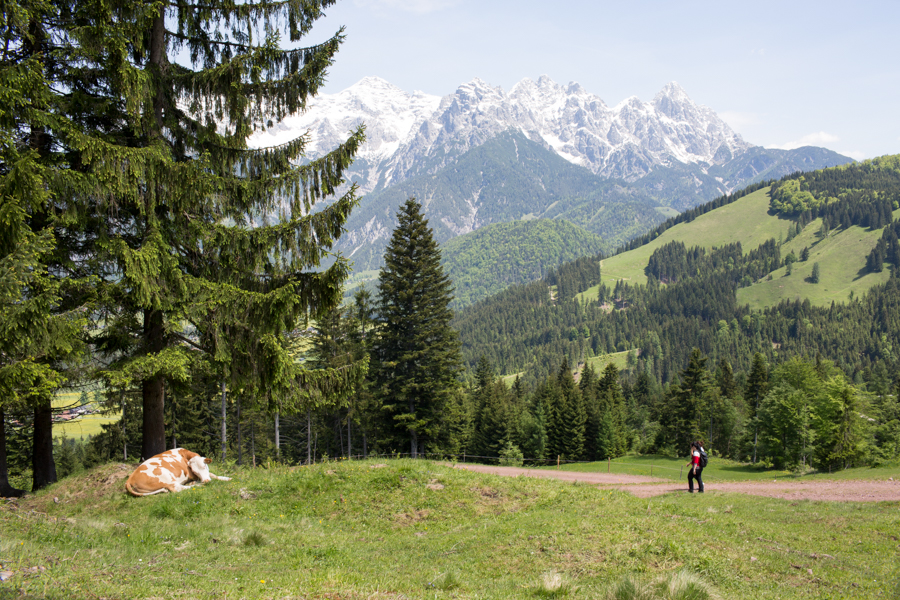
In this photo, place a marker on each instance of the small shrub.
(254, 538)
(447, 581)
(555, 585)
(682, 585)
(511, 456)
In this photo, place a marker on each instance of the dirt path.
(645, 487)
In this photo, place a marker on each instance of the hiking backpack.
(704, 458)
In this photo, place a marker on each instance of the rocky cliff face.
(410, 134)
(482, 155)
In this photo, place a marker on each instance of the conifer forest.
(155, 264)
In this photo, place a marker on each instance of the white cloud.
(740, 121)
(854, 154)
(813, 139)
(415, 6)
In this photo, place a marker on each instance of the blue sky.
(781, 73)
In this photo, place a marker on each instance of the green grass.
(746, 221)
(82, 427)
(417, 529)
(620, 359)
(841, 256)
(719, 469)
(842, 261)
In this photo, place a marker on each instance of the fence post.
(651, 470)
(607, 464)
(557, 461)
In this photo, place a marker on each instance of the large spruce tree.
(198, 242)
(38, 335)
(416, 357)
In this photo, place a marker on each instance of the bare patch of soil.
(868, 490)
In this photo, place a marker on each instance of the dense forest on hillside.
(490, 259)
(685, 327)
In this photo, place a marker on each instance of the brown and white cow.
(169, 472)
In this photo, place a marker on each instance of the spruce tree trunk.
(42, 464)
(277, 439)
(240, 441)
(153, 388)
(153, 391)
(6, 490)
(413, 437)
(224, 408)
(308, 436)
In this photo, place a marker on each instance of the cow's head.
(198, 466)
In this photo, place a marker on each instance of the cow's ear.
(207, 460)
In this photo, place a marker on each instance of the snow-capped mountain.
(482, 155)
(408, 134)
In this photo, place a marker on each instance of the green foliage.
(510, 455)
(497, 256)
(791, 198)
(195, 241)
(416, 353)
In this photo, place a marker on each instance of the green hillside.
(508, 178)
(393, 529)
(708, 292)
(842, 261)
(841, 255)
(490, 259)
(746, 221)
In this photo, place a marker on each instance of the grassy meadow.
(746, 220)
(81, 427)
(841, 255)
(419, 529)
(842, 264)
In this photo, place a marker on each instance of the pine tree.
(814, 277)
(725, 380)
(683, 419)
(183, 223)
(612, 407)
(36, 334)
(416, 354)
(754, 392)
(571, 415)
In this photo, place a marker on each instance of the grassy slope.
(355, 530)
(82, 427)
(841, 256)
(724, 225)
(842, 261)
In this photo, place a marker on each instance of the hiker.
(696, 469)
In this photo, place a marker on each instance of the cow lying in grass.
(169, 472)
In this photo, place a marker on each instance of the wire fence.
(649, 469)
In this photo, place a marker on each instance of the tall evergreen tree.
(754, 392)
(37, 333)
(612, 405)
(183, 223)
(683, 419)
(570, 414)
(416, 354)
